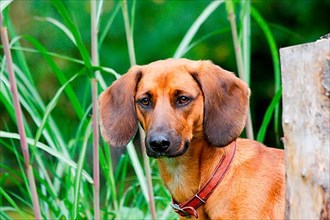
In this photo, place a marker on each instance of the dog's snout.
(159, 142)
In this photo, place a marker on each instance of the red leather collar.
(189, 207)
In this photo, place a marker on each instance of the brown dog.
(193, 112)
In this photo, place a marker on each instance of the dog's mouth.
(170, 152)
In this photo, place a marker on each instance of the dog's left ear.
(226, 101)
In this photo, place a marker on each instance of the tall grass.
(19, 121)
(62, 168)
(242, 72)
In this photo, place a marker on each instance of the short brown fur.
(199, 132)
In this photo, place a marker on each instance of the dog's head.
(176, 101)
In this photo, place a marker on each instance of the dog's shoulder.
(255, 187)
(259, 163)
(253, 150)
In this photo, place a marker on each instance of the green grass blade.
(29, 105)
(52, 135)
(43, 172)
(268, 115)
(205, 37)
(81, 130)
(138, 169)
(230, 7)
(5, 170)
(108, 25)
(292, 34)
(50, 107)
(112, 71)
(72, 28)
(19, 121)
(18, 56)
(11, 202)
(133, 16)
(272, 45)
(3, 215)
(99, 12)
(194, 28)
(52, 54)
(23, 187)
(246, 38)
(5, 100)
(75, 32)
(4, 4)
(60, 75)
(167, 212)
(53, 152)
(121, 173)
(60, 26)
(129, 33)
(22, 202)
(275, 57)
(106, 166)
(77, 179)
(125, 212)
(63, 57)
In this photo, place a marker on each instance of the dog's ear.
(118, 119)
(226, 101)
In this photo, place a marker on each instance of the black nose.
(159, 142)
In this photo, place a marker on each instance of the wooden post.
(306, 124)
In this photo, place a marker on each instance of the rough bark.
(306, 124)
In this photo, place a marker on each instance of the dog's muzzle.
(165, 144)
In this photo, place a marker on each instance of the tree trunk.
(306, 124)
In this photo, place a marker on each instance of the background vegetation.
(51, 49)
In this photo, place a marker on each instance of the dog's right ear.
(118, 119)
(226, 102)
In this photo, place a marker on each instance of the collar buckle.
(179, 210)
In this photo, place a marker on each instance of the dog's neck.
(192, 169)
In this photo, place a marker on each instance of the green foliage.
(53, 67)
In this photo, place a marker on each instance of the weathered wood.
(306, 124)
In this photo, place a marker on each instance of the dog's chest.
(177, 180)
(180, 180)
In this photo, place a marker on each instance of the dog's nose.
(159, 142)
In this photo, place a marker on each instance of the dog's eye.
(182, 100)
(145, 102)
